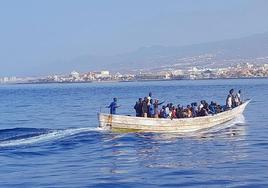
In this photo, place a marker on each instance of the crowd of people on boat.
(149, 107)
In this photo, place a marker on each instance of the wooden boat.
(182, 125)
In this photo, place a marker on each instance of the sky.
(40, 33)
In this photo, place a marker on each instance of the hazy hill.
(156, 56)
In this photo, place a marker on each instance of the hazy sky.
(34, 33)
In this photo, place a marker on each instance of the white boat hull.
(182, 125)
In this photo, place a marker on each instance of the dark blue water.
(49, 138)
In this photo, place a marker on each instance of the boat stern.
(105, 120)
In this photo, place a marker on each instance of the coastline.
(144, 80)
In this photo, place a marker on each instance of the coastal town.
(242, 70)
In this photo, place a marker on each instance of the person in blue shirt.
(212, 107)
(113, 106)
(151, 109)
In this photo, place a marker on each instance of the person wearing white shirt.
(238, 98)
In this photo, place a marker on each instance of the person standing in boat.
(230, 100)
(156, 104)
(145, 107)
(240, 97)
(151, 111)
(113, 106)
(233, 98)
(138, 108)
(149, 97)
(237, 98)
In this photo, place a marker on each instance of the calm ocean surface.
(49, 138)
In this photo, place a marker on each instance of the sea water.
(49, 137)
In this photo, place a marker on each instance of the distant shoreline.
(145, 80)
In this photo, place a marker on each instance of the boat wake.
(28, 136)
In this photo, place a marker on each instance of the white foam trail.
(50, 136)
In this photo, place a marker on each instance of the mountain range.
(212, 54)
